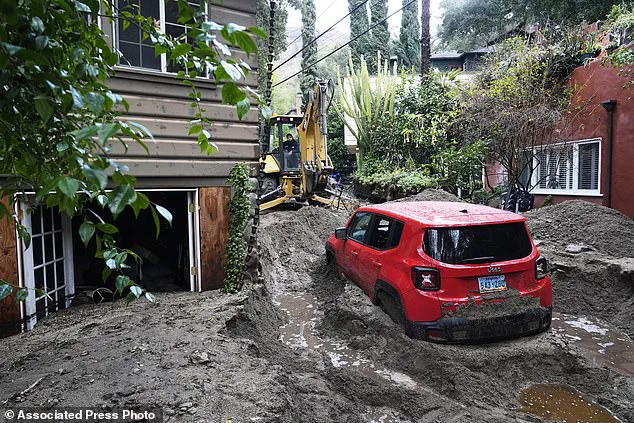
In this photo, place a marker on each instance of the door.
(357, 231)
(383, 236)
(48, 262)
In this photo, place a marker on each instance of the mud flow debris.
(562, 404)
(300, 332)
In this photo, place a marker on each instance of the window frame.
(575, 170)
(374, 219)
(162, 21)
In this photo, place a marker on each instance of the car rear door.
(383, 236)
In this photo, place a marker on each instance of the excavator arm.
(313, 140)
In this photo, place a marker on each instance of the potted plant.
(591, 50)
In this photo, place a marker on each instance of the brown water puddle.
(602, 345)
(562, 404)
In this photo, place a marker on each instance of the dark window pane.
(171, 11)
(36, 223)
(478, 244)
(359, 226)
(60, 274)
(131, 54)
(40, 308)
(39, 277)
(47, 214)
(59, 245)
(50, 278)
(149, 60)
(151, 8)
(174, 30)
(57, 220)
(131, 34)
(48, 247)
(37, 250)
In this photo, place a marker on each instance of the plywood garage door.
(9, 309)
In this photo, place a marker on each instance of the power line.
(339, 48)
(317, 37)
(319, 16)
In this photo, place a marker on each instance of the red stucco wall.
(595, 83)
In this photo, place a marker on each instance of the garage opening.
(167, 262)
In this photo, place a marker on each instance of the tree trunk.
(425, 41)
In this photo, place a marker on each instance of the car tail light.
(541, 268)
(426, 279)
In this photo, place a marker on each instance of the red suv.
(447, 272)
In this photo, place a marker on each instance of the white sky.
(330, 11)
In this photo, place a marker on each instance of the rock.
(577, 248)
(199, 357)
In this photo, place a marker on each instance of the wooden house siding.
(160, 102)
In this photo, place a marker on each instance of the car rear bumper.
(462, 330)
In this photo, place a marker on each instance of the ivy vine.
(236, 247)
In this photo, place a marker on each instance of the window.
(386, 233)
(571, 168)
(478, 244)
(359, 226)
(139, 52)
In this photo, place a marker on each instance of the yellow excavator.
(294, 165)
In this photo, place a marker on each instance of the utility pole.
(425, 41)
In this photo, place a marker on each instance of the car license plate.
(492, 283)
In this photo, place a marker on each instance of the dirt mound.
(581, 222)
(293, 244)
(590, 250)
(431, 194)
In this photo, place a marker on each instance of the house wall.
(593, 84)
(447, 64)
(161, 103)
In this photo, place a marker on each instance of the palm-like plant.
(365, 100)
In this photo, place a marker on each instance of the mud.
(580, 222)
(591, 253)
(481, 380)
(506, 303)
(430, 194)
(306, 346)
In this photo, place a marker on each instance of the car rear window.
(478, 244)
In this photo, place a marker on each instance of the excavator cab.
(283, 154)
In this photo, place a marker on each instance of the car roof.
(444, 213)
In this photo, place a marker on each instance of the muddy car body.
(448, 272)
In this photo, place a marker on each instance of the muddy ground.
(211, 356)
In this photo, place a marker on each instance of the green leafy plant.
(239, 207)
(364, 101)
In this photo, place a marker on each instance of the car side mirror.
(341, 233)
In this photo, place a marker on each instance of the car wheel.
(393, 308)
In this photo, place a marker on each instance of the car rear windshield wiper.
(477, 259)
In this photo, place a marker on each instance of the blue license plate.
(492, 283)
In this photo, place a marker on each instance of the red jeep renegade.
(448, 272)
